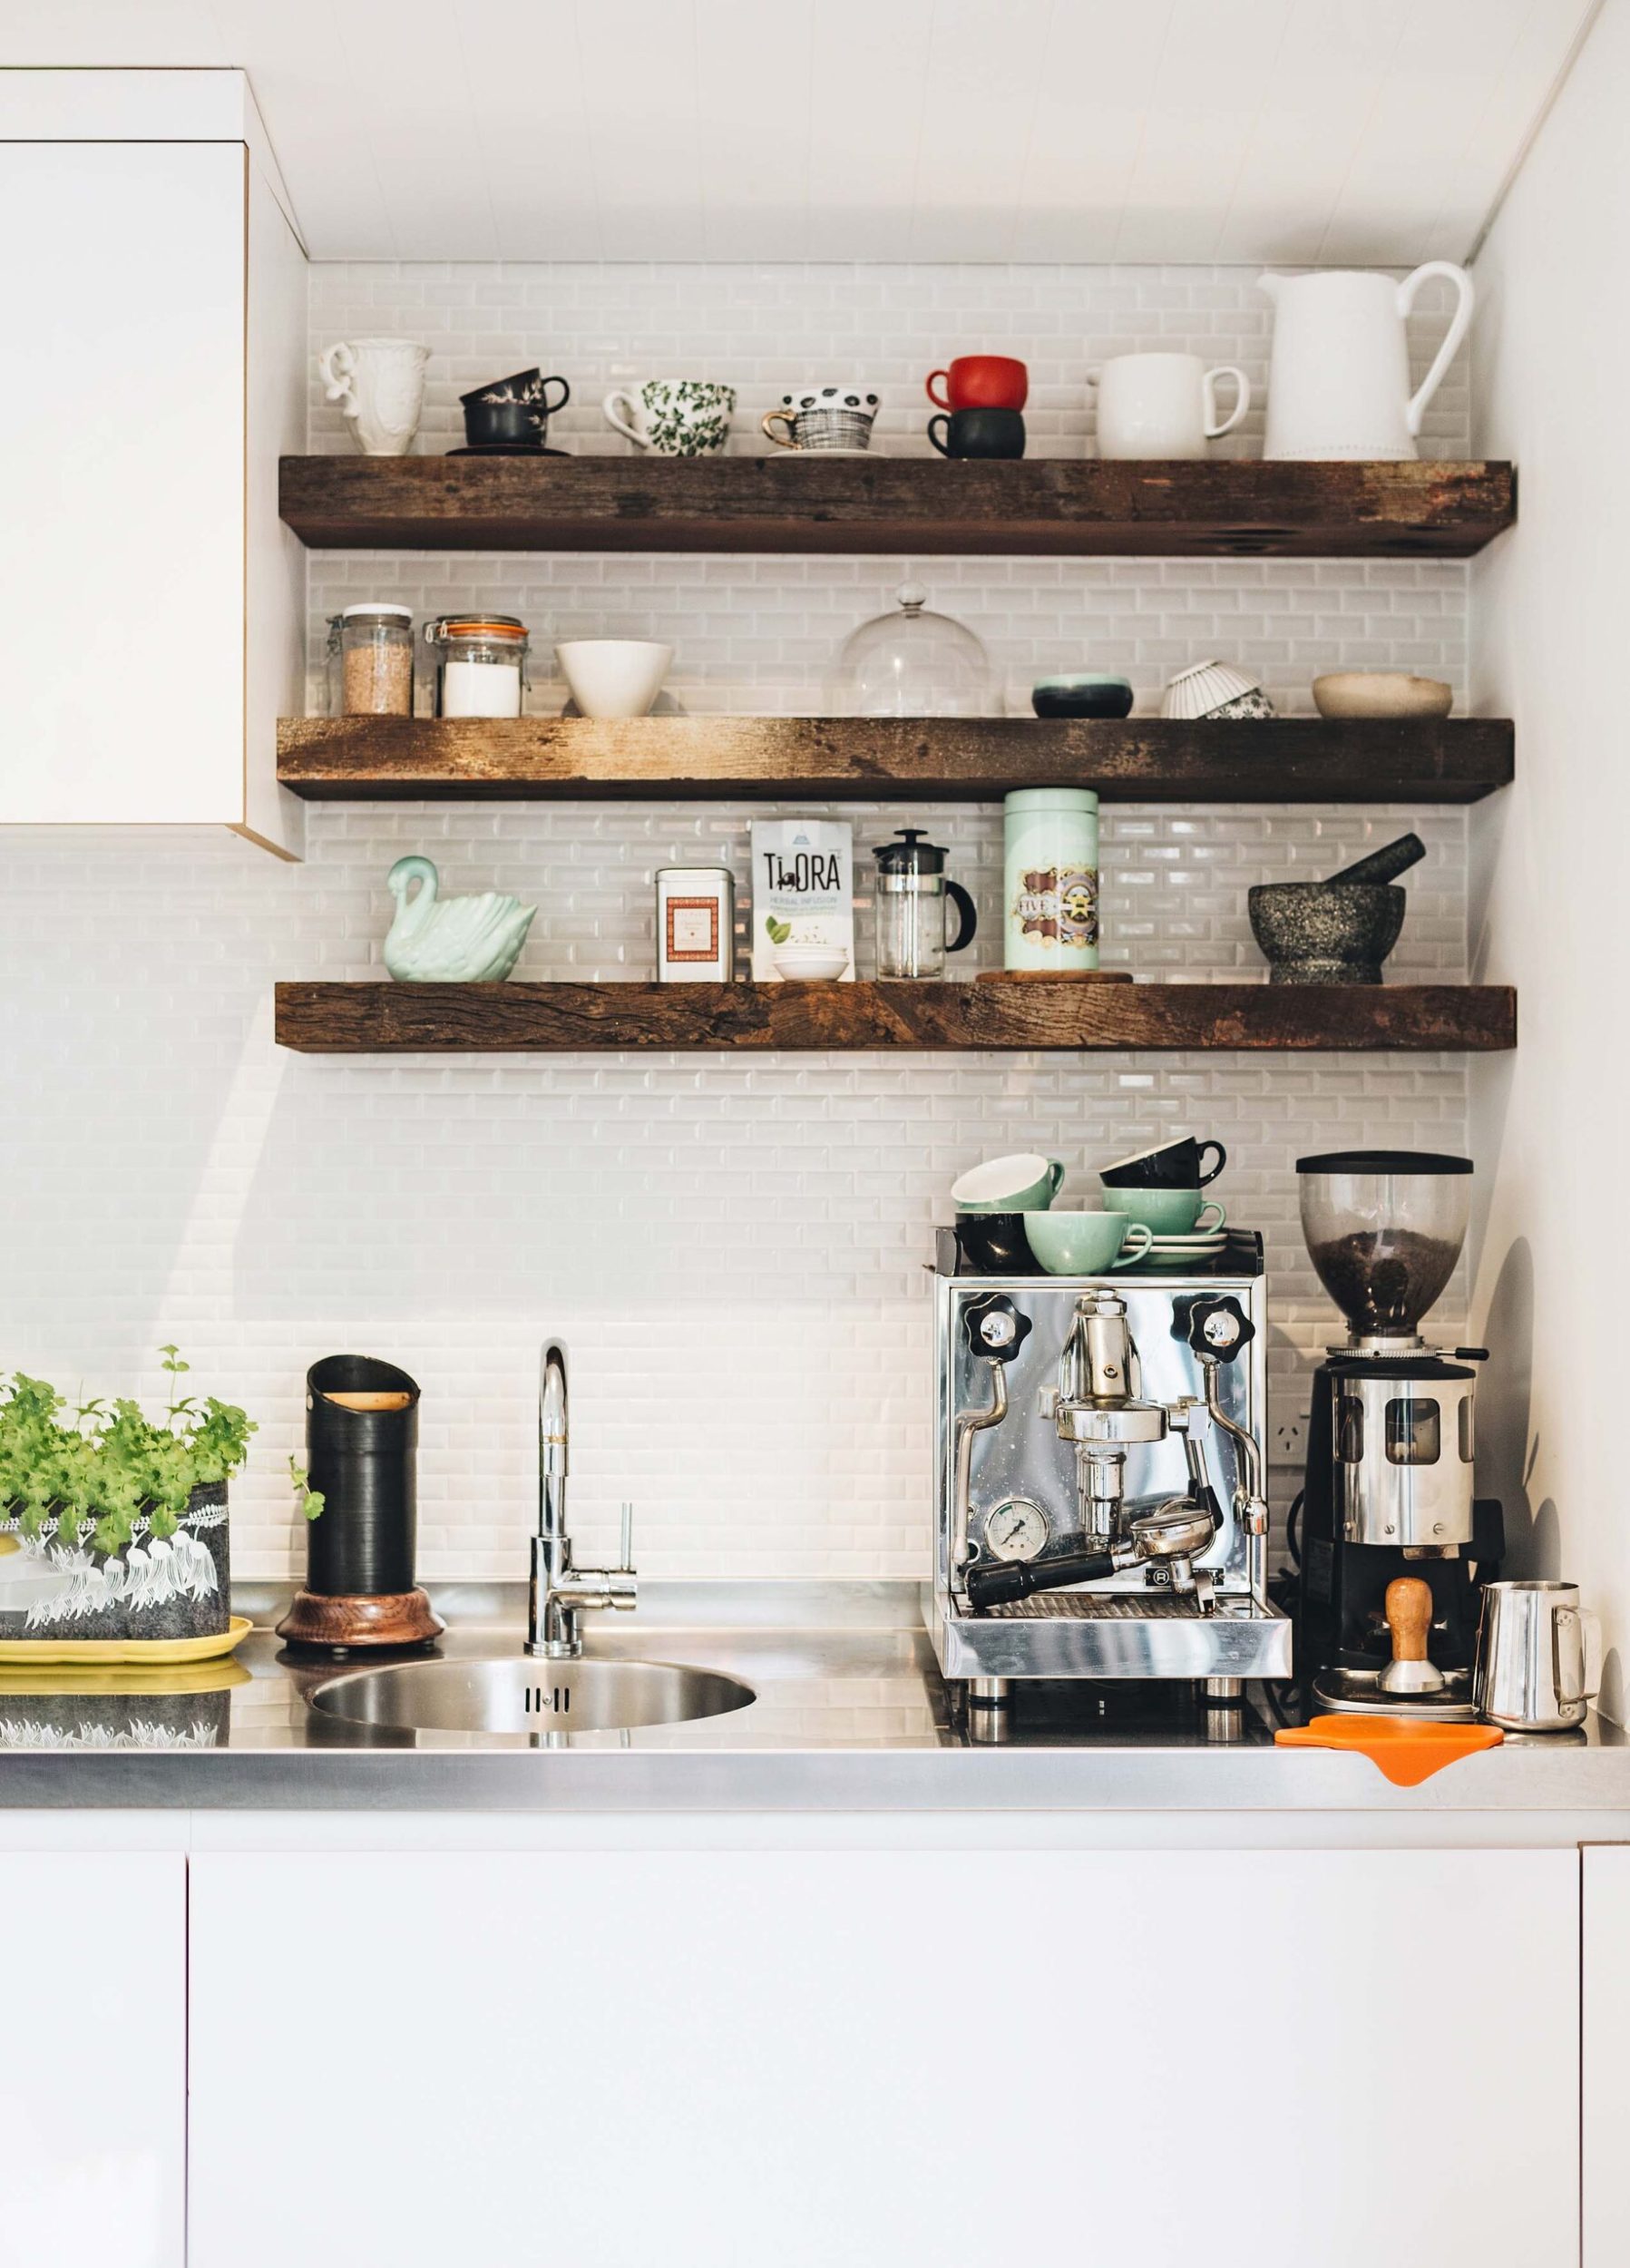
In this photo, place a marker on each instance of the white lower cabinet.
(93, 2073)
(1605, 2054)
(881, 2059)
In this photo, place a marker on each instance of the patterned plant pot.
(157, 1587)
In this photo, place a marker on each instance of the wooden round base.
(391, 1618)
(1054, 977)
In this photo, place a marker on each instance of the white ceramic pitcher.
(379, 385)
(1339, 379)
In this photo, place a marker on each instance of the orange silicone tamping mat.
(1405, 1749)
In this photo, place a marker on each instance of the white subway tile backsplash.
(733, 1246)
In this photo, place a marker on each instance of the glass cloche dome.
(912, 663)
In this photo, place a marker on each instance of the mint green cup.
(1084, 1244)
(1019, 1183)
(1168, 1212)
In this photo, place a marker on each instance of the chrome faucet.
(559, 1592)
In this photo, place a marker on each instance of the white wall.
(1550, 610)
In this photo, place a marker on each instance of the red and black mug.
(981, 382)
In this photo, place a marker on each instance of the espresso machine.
(1099, 1488)
(1386, 1506)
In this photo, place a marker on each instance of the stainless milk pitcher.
(1535, 1658)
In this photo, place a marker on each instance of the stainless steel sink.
(520, 1696)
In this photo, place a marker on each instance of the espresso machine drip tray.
(1087, 1606)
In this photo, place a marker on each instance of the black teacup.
(994, 1244)
(513, 412)
(980, 433)
(1178, 1165)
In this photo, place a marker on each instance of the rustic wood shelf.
(1060, 507)
(370, 1019)
(1292, 759)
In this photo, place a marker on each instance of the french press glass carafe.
(911, 893)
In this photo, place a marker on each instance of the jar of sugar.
(480, 664)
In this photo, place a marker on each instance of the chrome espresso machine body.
(1099, 1488)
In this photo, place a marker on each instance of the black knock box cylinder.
(362, 1451)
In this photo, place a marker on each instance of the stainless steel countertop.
(850, 1715)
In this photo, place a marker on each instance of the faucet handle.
(625, 1558)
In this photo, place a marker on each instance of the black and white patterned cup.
(823, 417)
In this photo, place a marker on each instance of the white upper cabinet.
(150, 371)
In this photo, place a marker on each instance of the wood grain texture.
(347, 1622)
(1141, 759)
(384, 1018)
(1066, 508)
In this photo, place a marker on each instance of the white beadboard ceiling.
(1361, 131)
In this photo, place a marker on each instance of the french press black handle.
(967, 917)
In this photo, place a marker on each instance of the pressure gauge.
(1016, 1529)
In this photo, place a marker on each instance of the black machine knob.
(1219, 1329)
(995, 1327)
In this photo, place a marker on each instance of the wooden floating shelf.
(372, 1019)
(1292, 760)
(1058, 507)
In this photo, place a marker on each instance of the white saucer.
(808, 453)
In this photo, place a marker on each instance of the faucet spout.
(560, 1591)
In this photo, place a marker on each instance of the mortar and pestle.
(1337, 931)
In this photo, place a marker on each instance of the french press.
(912, 893)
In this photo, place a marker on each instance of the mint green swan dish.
(451, 941)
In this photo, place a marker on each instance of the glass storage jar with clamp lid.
(480, 664)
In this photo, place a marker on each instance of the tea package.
(802, 899)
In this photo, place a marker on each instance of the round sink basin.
(520, 1696)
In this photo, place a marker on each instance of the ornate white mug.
(1163, 405)
(673, 416)
(379, 385)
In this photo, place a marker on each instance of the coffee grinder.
(1388, 1495)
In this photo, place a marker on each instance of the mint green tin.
(1052, 896)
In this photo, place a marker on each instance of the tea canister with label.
(1051, 894)
(696, 925)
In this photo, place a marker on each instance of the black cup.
(994, 1244)
(512, 412)
(980, 433)
(1178, 1165)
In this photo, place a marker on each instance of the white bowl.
(811, 964)
(613, 677)
(1208, 686)
(1381, 693)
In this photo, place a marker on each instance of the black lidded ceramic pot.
(362, 1452)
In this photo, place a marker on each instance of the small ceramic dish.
(1381, 693)
(811, 964)
(1214, 688)
(1081, 693)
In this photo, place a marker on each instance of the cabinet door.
(1605, 1976)
(93, 2078)
(729, 2059)
(121, 482)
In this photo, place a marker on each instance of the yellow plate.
(129, 1683)
(155, 1652)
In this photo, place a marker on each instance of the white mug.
(379, 385)
(1163, 405)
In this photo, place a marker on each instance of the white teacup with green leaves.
(672, 416)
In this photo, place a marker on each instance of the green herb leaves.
(93, 1478)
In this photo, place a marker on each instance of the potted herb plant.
(119, 1520)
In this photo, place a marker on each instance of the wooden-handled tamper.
(1409, 1611)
